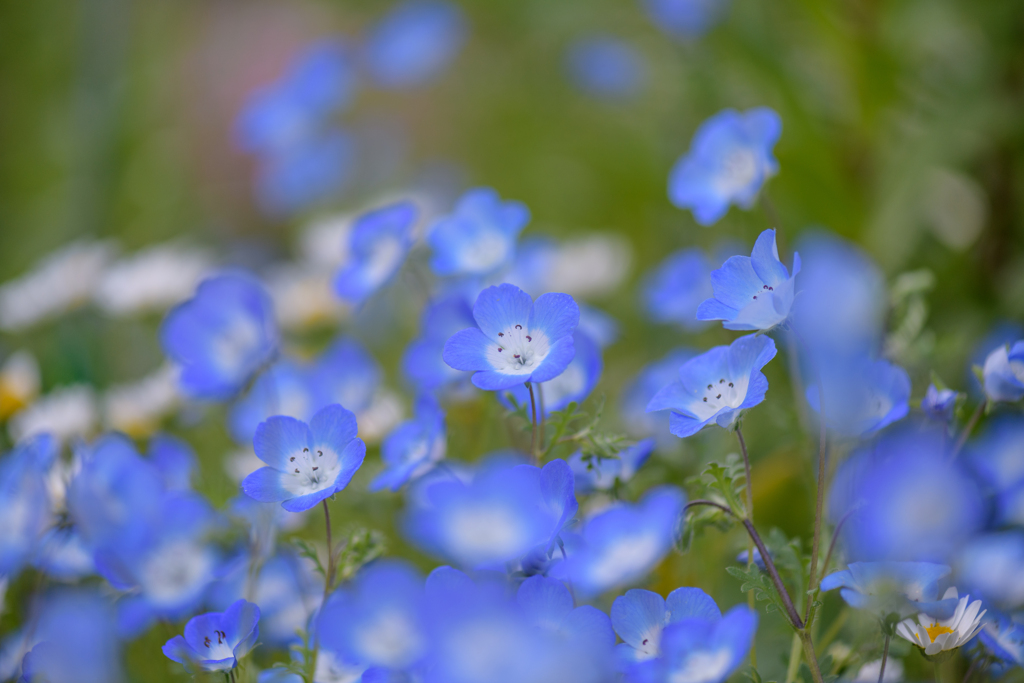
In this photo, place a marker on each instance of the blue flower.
(573, 385)
(479, 237)
(378, 244)
(686, 19)
(221, 336)
(996, 457)
(752, 293)
(378, 618)
(637, 394)
(283, 389)
(674, 290)
(730, 158)
(516, 339)
(422, 362)
(621, 544)
(861, 395)
(990, 566)
(1005, 638)
(414, 43)
(640, 616)
(413, 447)
(215, 641)
(883, 588)
(939, 404)
(602, 474)
(345, 373)
(606, 67)
(64, 555)
(308, 172)
(308, 463)
(700, 649)
(175, 460)
(598, 325)
(717, 385)
(24, 501)
(1004, 373)
(584, 632)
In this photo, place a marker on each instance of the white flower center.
(235, 343)
(478, 531)
(738, 170)
(391, 639)
(518, 350)
(630, 556)
(486, 253)
(175, 570)
(311, 471)
(717, 394)
(387, 253)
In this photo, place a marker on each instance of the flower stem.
(968, 428)
(328, 581)
(819, 502)
(769, 564)
(810, 656)
(885, 656)
(751, 602)
(794, 659)
(533, 424)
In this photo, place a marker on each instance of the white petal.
(970, 617)
(954, 621)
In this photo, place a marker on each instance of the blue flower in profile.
(573, 385)
(603, 474)
(717, 385)
(637, 394)
(730, 158)
(623, 543)
(861, 395)
(1005, 639)
(606, 67)
(640, 616)
(685, 19)
(752, 293)
(422, 362)
(479, 236)
(939, 404)
(414, 43)
(990, 566)
(883, 588)
(306, 173)
(378, 244)
(221, 336)
(215, 641)
(24, 501)
(1004, 373)
(413, 447)
(517, 340)
(674, 290)
(700, 649)
(307, 463)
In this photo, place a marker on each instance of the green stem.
(968, 428)
(819, 502)
(810, 656)
(533, 424)
(885, 656)
(751, 602)
(328, 581)
(794, 659)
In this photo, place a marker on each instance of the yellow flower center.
(935, 630)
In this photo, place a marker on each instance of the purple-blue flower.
(717, 385)
(517, 340)
(413, 447)
(378, 244)
(639, 617)
(215, 641)
(422, 362)
(883, 588)
(606, 67)
(479, 236)
(939, 404)
(1004, 373)
(675, 289)
(414, 43)
(24, 501)
(307, 463)
(861, 395)
(308, 172)
(729, 160)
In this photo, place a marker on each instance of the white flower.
(869, 672)
(153, 279)
(303, 297)
(934, 636)
(66, 413)
(138, 407)
(383, 413)
(19, 382)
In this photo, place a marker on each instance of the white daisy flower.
(935, 636)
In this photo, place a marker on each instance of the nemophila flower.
(743, 556)
(716, 385)
(175, 460)
(422, 362)
(606, 67)
(574, 384)
(686, 19)
(25, 511)
(623, 543)
(640, 616)
(934, 635)
(883, 588)
(989, 565)
(752, 292)
(861, 395)
(307, 463)
(64, 555)
(377, 619)
(939, 404)
(730, 158)
(221, 336)
(413, 447)
(307, 173)
(602, 474)
(345, 373)
(517, 340)
(637, 394)
(1004, 332)
(1005, 639)
(479, 236)
(379, 242)
(995, 455)
(285, 388)
(215, 641)
(414, 43)
(152, 279)
(1004, 373)
(674, 290)
(700, 649)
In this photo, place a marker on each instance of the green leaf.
(359, 547)
(764, 591)
(307, 550)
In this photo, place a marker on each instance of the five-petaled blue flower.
(939, 404)
(1004, 373)
(414, 43)
(675, 289)
(861, 395)
(729, 160)
(517, 340)
(640, 616)
(479, 237)
(221, 336)
(215, 641)
(883, 588)
(752, 292)
(717, 385)
(413, 447)
(308, 463)
(378, 244)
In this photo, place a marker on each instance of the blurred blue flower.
(622, 544)
(307, 172)
(990, 566)
(758, 560)
(283, 389)
(752, 292)
(676, 287)
(221, 336)
(64, 555)
(1004, 373)
(939, 404)
(861, 395)
(686, 19)
(640, 616)
(996, 457)
(1002, 333)
(517, 340)
(637, 394)
(717, 385)
(378, 244)
(307, 463)
(413, 447)
(602, 474)
(598, 325)
(549, 606)
(730, 158)
(574, 384)
(24, 501)
(1005, 638)
(883, 588)
(700, 649)
(215, 641)
(479, 236)
(422, 362)
(175, 460)
(414, 43)
(606, 67)
(345, 373)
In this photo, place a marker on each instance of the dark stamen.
(315, 469)
(305, 450)
(771, 289)
(529, 338)
(206, 641)
(296, 470)
(730, 384)
(755, 296)
(519, 327)
(705, 399)
(501, 334)
(709, 386)
(645, 642)
(719, 396)
(291, 459)
(721, 381)
(515, 355)
(765, 287)
(500, 349)
(320, 453)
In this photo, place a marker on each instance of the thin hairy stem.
(791, 612)
(968, 428)
(543, 415)
(328, 581)
(533, 424)
(810, 656)
(751, 602)
(819, 502)
(794, 659)
(885, 656)
(695, 503)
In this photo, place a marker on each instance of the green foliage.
(723, 484)
(308, 551)
(581, 431)
(908, 339)
(358, 548)
(753, 579)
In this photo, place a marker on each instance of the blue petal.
(491, 380)
(303, 503)
(502, 307)
(351, 460)
(736, 283)
(671, 397)
(556, 315)
(750, 353)
(558, 496)
(467, 350)
(178, 650)
(713, 309)
(684, 425)
(544, 599)
(279, 438)
(591, 626)
(265, 485)
(765, 260)
(637, 615)
(686, 603)
(333, 426)
(559, 356)
(836, 580)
